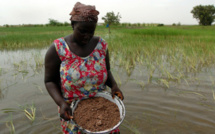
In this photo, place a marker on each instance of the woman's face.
(83, 32)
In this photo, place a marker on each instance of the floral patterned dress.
(81, 76)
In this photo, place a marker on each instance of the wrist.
(114, 86)
(61, 103)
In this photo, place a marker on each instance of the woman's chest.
(82, 51)
(83, 69)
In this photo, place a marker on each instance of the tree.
(204, 14)
(110, 18)
(53, 22)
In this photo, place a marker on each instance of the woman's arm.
(52, 81)
(111, 81)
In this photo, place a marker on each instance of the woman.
(77, 65)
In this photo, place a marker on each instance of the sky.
(14, 12)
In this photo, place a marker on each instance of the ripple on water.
(170, 112)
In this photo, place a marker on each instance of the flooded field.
(169, 86)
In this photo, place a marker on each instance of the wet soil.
(96, 114)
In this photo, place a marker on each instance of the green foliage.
(53, 22)
(111, 18)
(204, 14)
(7, 25)
(66, 24)
(28, 110)
(160, 25)
(31, 37)
(14, 38)
(174, 24)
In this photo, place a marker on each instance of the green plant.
(204, 14)
(110, 18)
(28, 110)
(10, 125)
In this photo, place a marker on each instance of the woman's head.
(85, 13)
(83, 21)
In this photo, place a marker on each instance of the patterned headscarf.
(83, 12)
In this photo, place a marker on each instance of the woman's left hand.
(116, 91)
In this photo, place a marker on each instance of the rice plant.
(39, 88)
(28, 110)
(39, 60)
(0, 71)
(171, 54)
(9, 124)
(21, 67)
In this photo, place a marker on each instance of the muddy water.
(183, 108)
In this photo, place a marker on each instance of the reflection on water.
(152, 106)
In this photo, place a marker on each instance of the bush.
(160, 25)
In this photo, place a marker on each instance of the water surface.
(151, 108)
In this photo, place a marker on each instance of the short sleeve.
(104, 45)
(60, 48)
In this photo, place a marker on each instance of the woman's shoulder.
(58, 40)
(68, 37)
(99, 39)
(61, 42)
(95, 38)
(51, 52)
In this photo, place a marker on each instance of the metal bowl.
(108, 96)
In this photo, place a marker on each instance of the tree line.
(205, 15)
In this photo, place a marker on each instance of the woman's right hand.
(65, 111)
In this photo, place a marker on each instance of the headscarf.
(82, 12)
